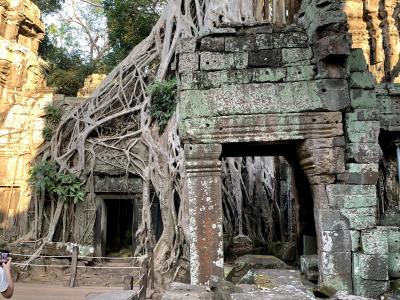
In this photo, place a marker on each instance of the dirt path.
(28, 291)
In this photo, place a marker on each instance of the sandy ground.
(28, 291)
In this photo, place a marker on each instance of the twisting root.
(123, 99)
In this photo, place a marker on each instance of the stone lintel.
(262, 127)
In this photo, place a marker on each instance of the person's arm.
(10, 289)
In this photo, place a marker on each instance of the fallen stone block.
(247, 262)
(286, 251)
(286, 292)
(309, 267)
(266, 279)
(181, 291)
(223, 289)
(122, 295)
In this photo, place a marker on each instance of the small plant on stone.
(53, 116)
(163, 101)
(44, 177)
(53, 113)
(47, 132)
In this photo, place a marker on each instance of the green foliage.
(53, 116)
(45, 178)
(53, 113)
(67, 71)
(129, 22)
(163, 101)
(48, 6)
(48, 132)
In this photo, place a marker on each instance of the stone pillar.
(203, 168)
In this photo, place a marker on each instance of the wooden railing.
(145, 282)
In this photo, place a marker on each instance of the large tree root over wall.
(123, 99)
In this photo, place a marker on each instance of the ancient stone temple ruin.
(322, 88)
(23, 95)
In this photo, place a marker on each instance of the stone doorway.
(267, 203)
(116, 223)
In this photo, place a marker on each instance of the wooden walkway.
(28, 291)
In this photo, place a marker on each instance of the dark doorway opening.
(268, 206)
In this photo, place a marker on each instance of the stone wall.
(23, 95)
(90, 84)
(302, 84)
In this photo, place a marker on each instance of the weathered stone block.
(362, 115)
(374, 241)
(351, 196)
(356, 61)
(340, 282)
(300, 73)
(335, 92)
(361, 98)
(364, 174)
(363, 131)
(360, 218)
(309, 266)
(335, 263)
(364, 152)
(188, 62)
(355, 237)
(321, 161)
(259, 98)
(372, 267)
(210, 61)
(282, 40)
(186, 45)
(336, 241)
(296, 54)
(393, 235)
(321, 179)
(265, 58)
(178, 291)
(320, 196)
(369, 288)
(240, 43)
(333, 47)
(212, 44)
(330, 220)
(362, 80)
(394, 89)
(268, 74)
(394, 264)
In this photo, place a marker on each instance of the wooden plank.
(74, 266)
